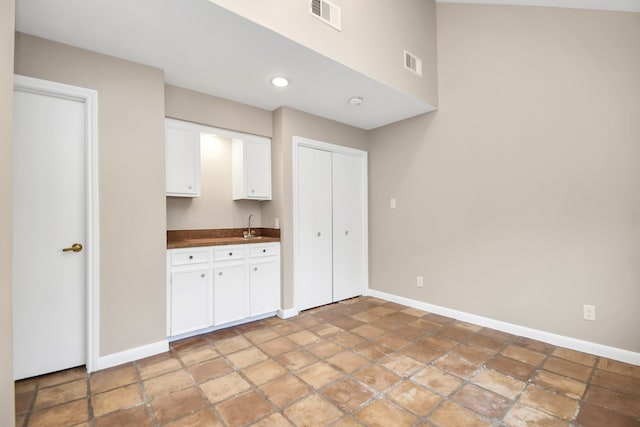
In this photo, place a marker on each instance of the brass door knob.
(76, 247)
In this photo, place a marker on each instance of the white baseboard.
(132, 354)
(223, 326)
(548, 337)
(289, 312)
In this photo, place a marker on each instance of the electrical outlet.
(419, 282)
(589, 312)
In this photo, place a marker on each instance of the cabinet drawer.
(186, 258)
(264, 251)
(228, 254)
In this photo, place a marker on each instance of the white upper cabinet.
(251, 168)
(182, 151)
(250, 160)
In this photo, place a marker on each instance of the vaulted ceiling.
(206, 48)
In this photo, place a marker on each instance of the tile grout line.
(465, 381)
(209, 404)
(146, 401)
(32, 404)
(388, 351)
(587, 388)
(90, 421)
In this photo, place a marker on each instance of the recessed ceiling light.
(280, 81)
(356, 100)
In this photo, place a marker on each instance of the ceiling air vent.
(412, 63)
(326, 12)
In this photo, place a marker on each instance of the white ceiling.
(620, 5)
(206, 48)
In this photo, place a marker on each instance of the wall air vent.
(326, 12)
(412, 63)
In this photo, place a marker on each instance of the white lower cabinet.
(230, 292)
(263, 274)
(209, 287)
(191, 292)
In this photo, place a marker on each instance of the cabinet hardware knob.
(190, 256)
(264, 250)
(230, 253)
(346, 233)
(220, 274)
(202, 275)
(255, 268)
(253, 191)
(190, 187)
(319, 234)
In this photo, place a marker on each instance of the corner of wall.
(7, 23)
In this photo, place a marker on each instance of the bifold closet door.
(348, 263)
(314, 228)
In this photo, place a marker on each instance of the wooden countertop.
(219, 236)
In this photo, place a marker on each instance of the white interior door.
(348, 254)
(49, 215)
(314, 264)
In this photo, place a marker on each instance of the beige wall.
(131, 175)
(365, 43)
(7, 19)
(519, 199)
(185, 104)
(287, 124)
(215, 208)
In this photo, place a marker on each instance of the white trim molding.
(615, 5)
(288, 313)
(548, 337)
(89, 98)
(132, 354)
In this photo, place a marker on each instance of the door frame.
(89, 98)
(333, 148)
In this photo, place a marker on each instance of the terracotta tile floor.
(360, 362)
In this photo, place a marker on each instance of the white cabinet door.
(251, 169)
(348, 263)
(265, 285)
(231, 292)
(182, 145)
(258, 169)
(191, 300)
(314, 240)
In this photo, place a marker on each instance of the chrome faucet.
(249, 233)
